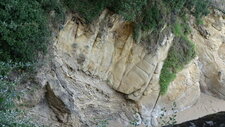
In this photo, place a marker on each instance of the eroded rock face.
(111, 54)
(210, 51)
(184, 90)
(81, 100)
(98, 72)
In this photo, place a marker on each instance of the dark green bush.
(198, 8)
(151, 18)
(129, 9)
(24, 34)
(147, 15)
(88, 9)
(175, 5)
(181, 53)
(23, 30)
(56, 7)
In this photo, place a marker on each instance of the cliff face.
(210, 42)
(219, 4)
(98, 73)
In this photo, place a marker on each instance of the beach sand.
(206, 105)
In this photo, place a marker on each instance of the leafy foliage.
(130, 9)
(24, 34)
(147, 15)
(88, 9)
(56, 10)
(23, 30)
(198, 8)
(183, 50)
(152, 17)
(181, 53)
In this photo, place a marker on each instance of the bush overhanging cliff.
(149, 16)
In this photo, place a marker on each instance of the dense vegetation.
(23, 30)
(183, 50)
(181, 53)
(24, 35)
(147, 14)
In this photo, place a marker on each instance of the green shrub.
(166, 76)
(23, 30)
(177, 29)
(181, 53)
(152, 17)
(24, 34)
(176, 6)
(88, 9)
(55, 6)
(198, 8)
(129, 9)
(147, 15)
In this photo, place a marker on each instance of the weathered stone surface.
(80, 100)
(96, 70)
(211, 55)
(111, 53)
(184, 91)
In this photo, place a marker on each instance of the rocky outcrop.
(99, 73)
(80, 100)
(218, 4)
(210, 50)
(109, 52)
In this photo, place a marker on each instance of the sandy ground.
(206, 105)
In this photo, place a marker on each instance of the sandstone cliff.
(99, 73)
